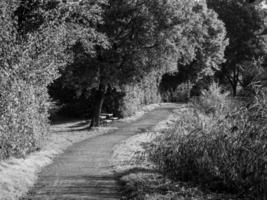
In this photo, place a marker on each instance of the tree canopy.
(145, 35)
(244, 24)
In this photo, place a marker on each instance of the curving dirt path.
(84, 171)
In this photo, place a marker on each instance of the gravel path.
(84, 170)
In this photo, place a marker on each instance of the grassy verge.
(218, 145)
(139, 177)
(17, 176)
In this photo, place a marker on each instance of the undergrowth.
(218, 145)
(138, 95)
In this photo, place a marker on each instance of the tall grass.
(213, 100)
(218, 146)
(137, 95)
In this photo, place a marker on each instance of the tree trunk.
(98, 103)
(235, 82)
(234, 89)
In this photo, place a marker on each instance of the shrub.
(23, 119)
(138, 95)
(221, 152)
(213, 100)
(27, 66)
(180, 94)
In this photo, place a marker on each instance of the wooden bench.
(107, 118)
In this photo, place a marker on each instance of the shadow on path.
(76, 187)
(83, 171)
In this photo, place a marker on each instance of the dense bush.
(23, 118)
(225, 150)
(138, 95)
(180, 94)
(213, 100)
(27, 66)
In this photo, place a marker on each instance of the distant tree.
(145, 35)
(244, 24)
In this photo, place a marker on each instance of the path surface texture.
(83, 171)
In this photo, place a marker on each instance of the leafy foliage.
(244, 24)
(143, 93)
(163, 33)
(28, 64)
(144, 37)
(179, 94)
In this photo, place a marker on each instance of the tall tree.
(145, 35)
(244, 24)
